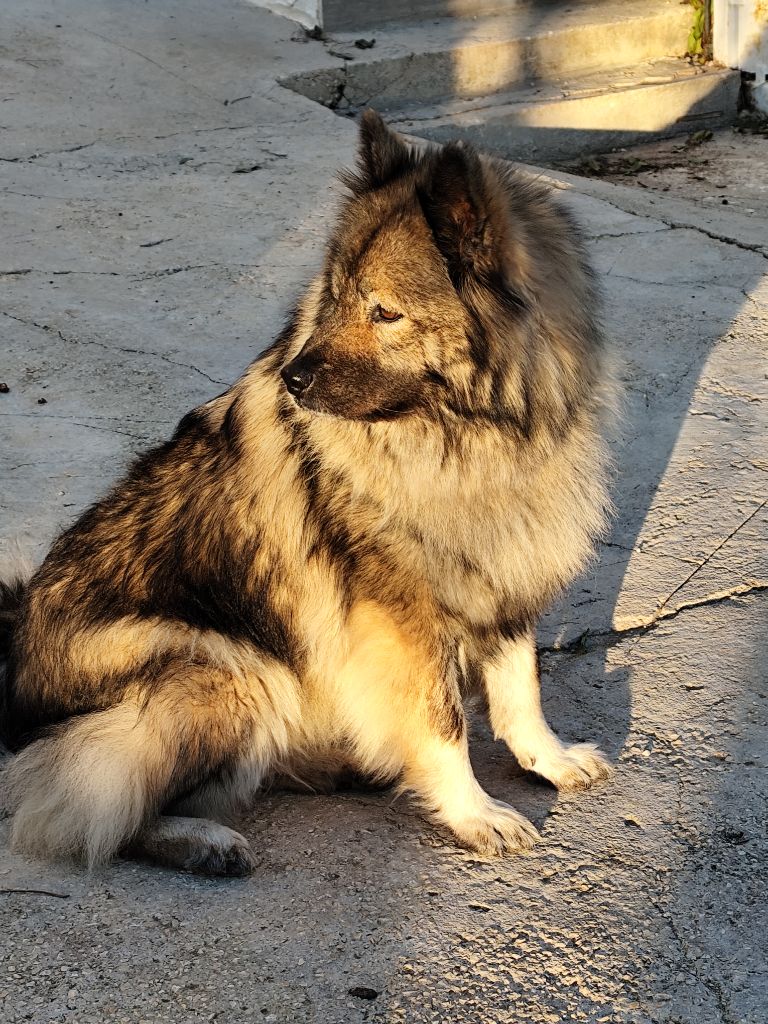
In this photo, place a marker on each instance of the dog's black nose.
(297, 378)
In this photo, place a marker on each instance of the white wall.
(741, 35)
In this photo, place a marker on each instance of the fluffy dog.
(324, 561)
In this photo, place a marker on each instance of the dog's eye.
(386, 315)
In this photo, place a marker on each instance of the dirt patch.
(727, 167)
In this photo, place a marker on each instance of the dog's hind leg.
(96, 782)
(514, 705)
(195, 833)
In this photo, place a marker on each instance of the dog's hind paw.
(232, 860)
(196, 844)
(571, 768)
(495, 829)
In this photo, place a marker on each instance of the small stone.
(4, 389)
(734, 836)
(363, 992)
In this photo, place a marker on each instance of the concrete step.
(349, 15)
(456, 59)
(587, 114)
(354, 15)
(543, 81)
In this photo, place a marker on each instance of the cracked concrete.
(737, 229)
(645, 903)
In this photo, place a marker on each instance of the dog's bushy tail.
(11, 597)
(80, 788)
(85, 787)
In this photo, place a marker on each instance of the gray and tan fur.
(324, 561)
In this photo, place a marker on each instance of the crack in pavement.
(675, 225)
(45, 195)
(640, 625)
(626, 234)
(170, 271)
(709, 983)
(717, 237)
(179, 78)
(200, 131)
(678, 282)
(711, 555)
(751, 298)
(136, 276)
(58, 273)
(116, 348)
(113, 140)
(75, 423)
(51, 152)
(662, 614)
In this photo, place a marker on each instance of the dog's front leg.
(439, 772)
(514, 704)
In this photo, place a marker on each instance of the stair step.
(354, 15)
(540, 82)
(539, 42)
(588, 114)
(343, 15)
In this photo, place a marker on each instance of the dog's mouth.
(309, 400)
(314, 405)
(315, 410)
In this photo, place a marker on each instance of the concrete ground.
(720, 168)
(162, 201)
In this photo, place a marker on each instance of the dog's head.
(421, 245)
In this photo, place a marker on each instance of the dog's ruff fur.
(326, 559)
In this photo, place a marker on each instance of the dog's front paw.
(495, 829)
(570, 768)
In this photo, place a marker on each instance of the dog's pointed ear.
(456, 208)
(382, 155)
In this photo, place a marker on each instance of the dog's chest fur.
(491, 537)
